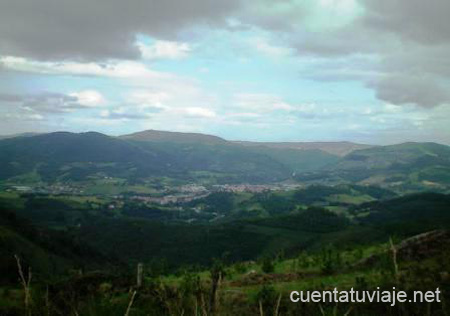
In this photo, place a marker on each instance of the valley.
(268, 218)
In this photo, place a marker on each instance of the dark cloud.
(419, 60)
(280, 15)
(7, 97)
(96, 30)
(422, 21)
(405, 43)
(404, 46)
(112, 115)
(415, 68)
(385, 26)
(417, 74)
(423, 91)
(44, 103)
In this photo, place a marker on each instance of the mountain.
(173, 137)
(18, 135)
(298, 160)
(193, 157)
(392, 156)
(76, 156)
(70, 156)
(334, 148)
(423, 164)
(294, 158)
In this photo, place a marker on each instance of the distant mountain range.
(191, 156)
(334, 148)
(407, 164)
(18, 135)
(175, 137)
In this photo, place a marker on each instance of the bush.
(267, 265)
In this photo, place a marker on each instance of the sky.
(368, 71)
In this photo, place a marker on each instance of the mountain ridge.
(64, 156)
(161, 136)
(340, 148)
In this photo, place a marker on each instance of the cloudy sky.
(372, 71)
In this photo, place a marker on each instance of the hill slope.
(173, 137)
(65, 156)
(69, 156)
(333, 148)
(76, 156)
(407, 164)
(47, 251)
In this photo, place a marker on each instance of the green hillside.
(173, 137)
(299, 160)
(404, 167)
(304, 248)
(66, 156)
(188, 157)
(125, 235)
(49, 252)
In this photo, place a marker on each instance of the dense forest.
(84, 256)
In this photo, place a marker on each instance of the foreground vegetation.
(76, 256)
(249, 288)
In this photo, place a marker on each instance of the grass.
(12, 199)
(350, 199)
(340, 210)
(9, 195)
(238, 296)
(81, 199)
(27, 178)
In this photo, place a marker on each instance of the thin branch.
(261, 311)
(394, 259)
(25, 283)
(277, 308)
(321, 310)
(349, 311)
(130, 304)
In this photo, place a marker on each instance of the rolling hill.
(333, 148)
(47, 251)
(132, 238)
(173, 137)
(18, 135)
(65, 156)
(76, 156)
(70, 156)
(407, 164)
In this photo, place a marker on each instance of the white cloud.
(148, 99)
(262, 46)
(257, 101)
(121, 69)
(282, 106)
(200, 112)
(37, 117)
(124, 114)
(130, 73)
(164, 50)
(89, 98)
(53, 102)
(101, 29)
(269, 103)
